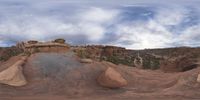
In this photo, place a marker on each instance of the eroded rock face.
(178, 64)
(13, 75)
(111, 79)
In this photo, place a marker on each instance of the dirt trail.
(53, 76)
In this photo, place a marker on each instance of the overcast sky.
(135, 24)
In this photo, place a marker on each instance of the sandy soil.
(53, 76)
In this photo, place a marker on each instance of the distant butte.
(32, 46)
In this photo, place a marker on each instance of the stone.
(62, 41)
(86, 61)
(111, 79)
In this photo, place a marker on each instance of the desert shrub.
(82, 53)
(151, 63)
(118, 60)
(9, 52)
(26, 53)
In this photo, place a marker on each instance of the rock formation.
(178, 64)
(111, 79)
(32, 42)
(86, 61)
(13, 75)
(34, 46)
(61, 41)
(138, 62)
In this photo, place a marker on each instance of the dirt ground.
(54, 76)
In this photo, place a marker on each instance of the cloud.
(98, 15)
(144, 35)
(132, 24)
(89, 24)
(164, 29)
(190, 36)
(171, 15)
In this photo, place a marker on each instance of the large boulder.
(111, 79)
(61, 41)
(13, 75)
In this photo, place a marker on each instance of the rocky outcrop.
(34, 46)
(61, 41)
(180, 64)
(32, 42)
(138, 62)
(111, 79)
(13, 75)
(86, 60)
(112, 50)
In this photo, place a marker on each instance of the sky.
(133, 24)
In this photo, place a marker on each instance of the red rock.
(13, 75)
(111, 79)
(86, 60)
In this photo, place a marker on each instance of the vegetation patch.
(9, 52)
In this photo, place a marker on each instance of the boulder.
(111, 79)
(61, 41)
(32, 42)
(13, 75)
(86, 61)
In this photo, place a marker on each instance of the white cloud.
(156, 33)
(89, 23)
(85, 22)
(98, 15)
(93, 31)
(190, 36)
(171, 15)
(93, 22)
(144, 35)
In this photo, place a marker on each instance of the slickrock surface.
(86, 60)
(13, 75)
